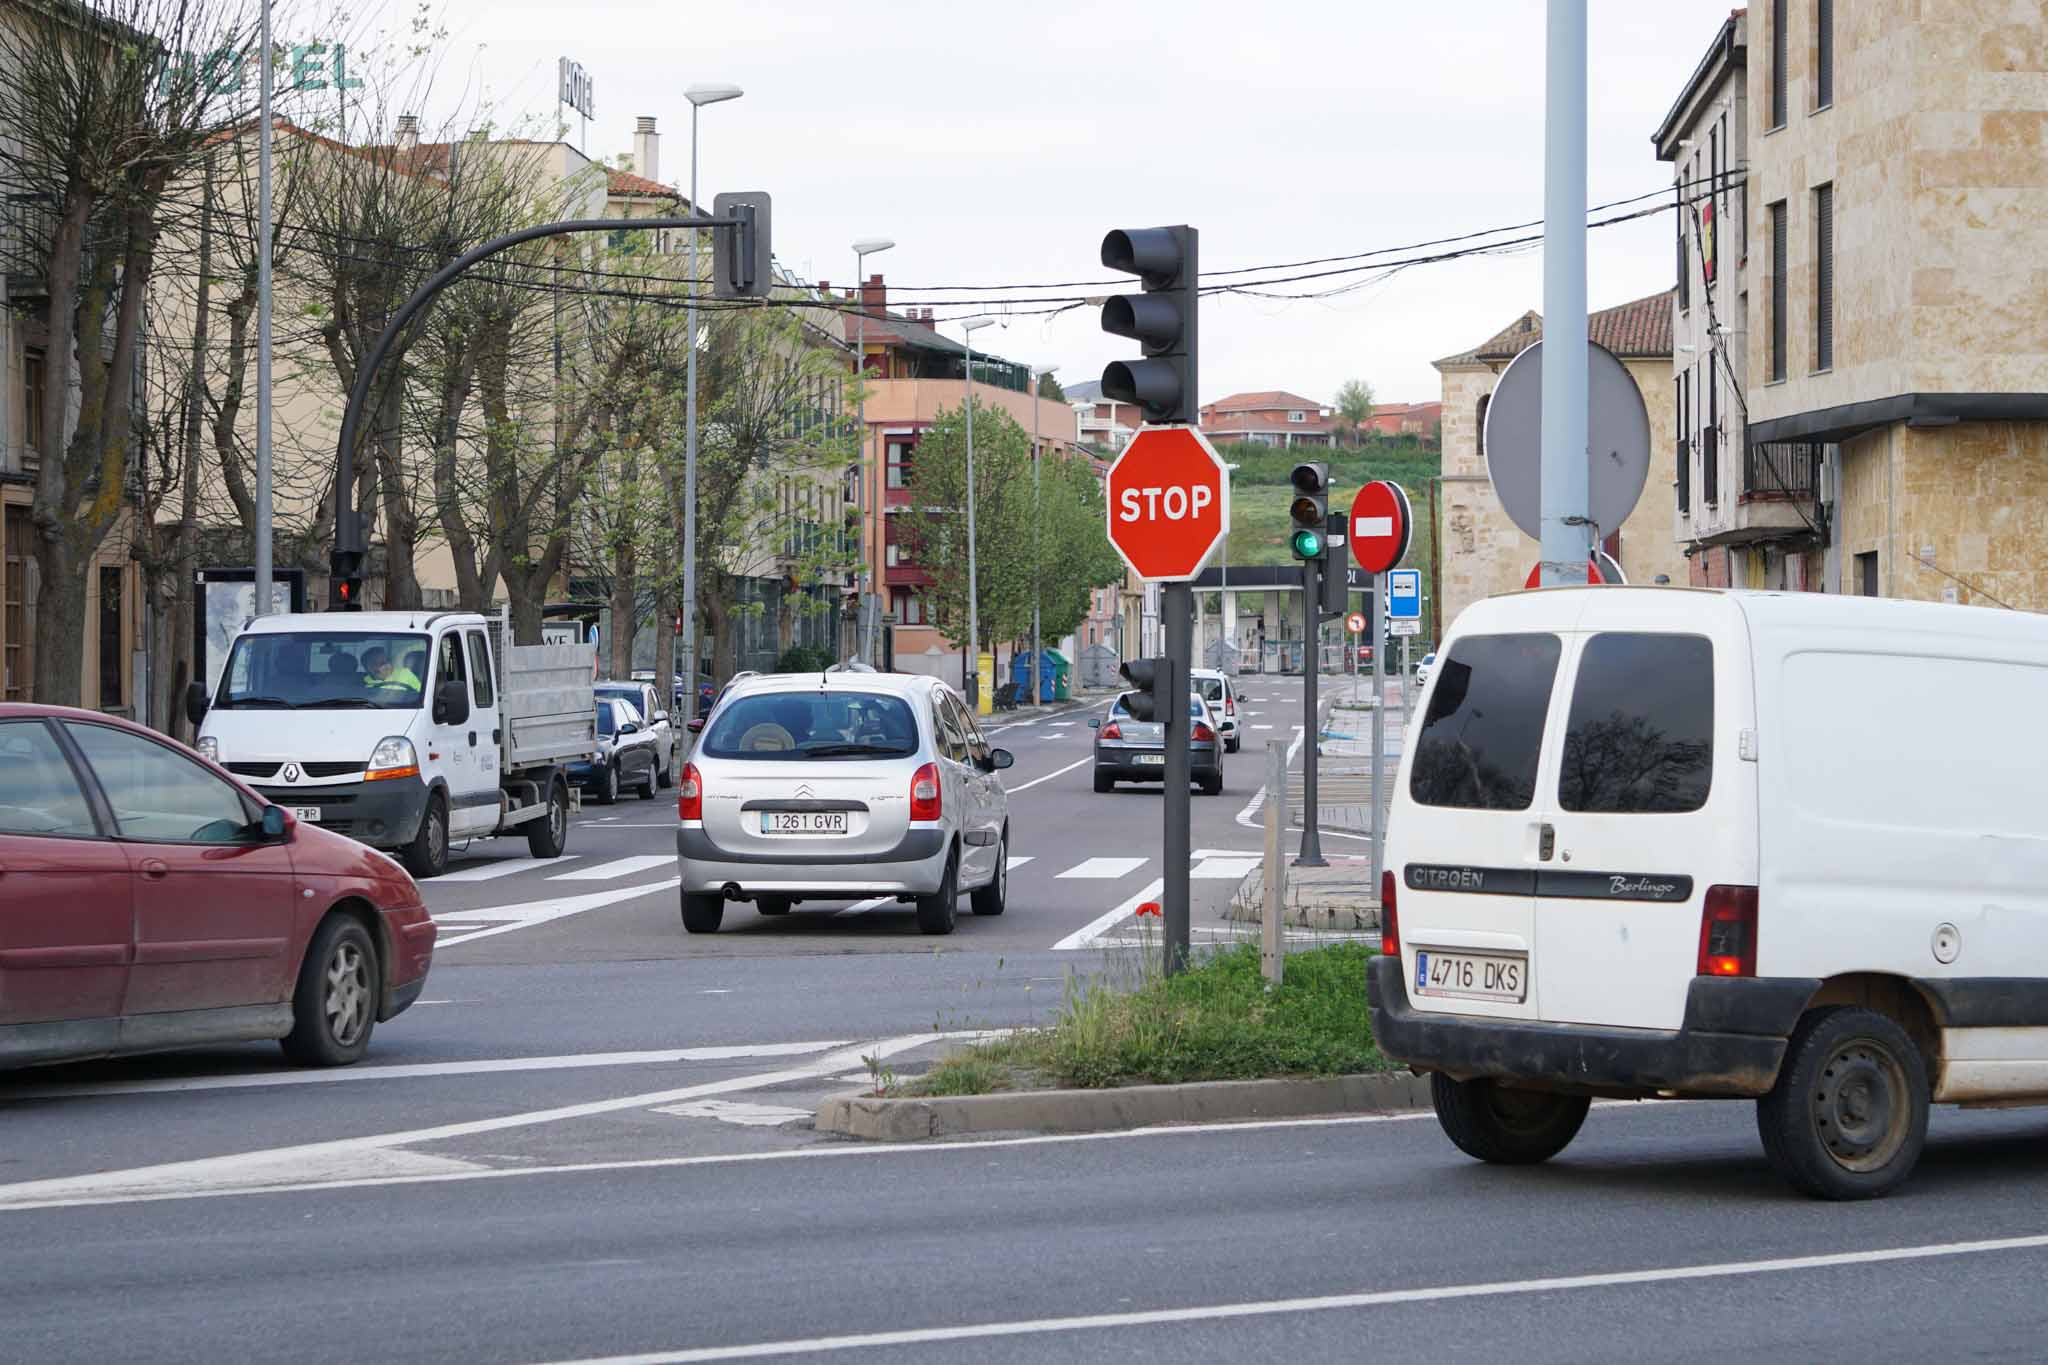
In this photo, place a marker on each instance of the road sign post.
(1381, 525)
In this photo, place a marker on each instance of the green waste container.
(1063, 675)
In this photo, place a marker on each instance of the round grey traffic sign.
(1617, 440)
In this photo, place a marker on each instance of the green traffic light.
(1308, 544)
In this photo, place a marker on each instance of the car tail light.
(1390, 917)
(1111, 731)
(1202, 734)
(1728, 932)
(690, 794)
(924, 793)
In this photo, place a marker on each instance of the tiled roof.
(1636, 329)
(1263, 399)
(627, 183)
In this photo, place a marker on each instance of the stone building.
(1481, 550)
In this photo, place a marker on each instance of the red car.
(149, 901)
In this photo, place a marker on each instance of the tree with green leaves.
(936, 528)
(1075, 556)
(1354, 404)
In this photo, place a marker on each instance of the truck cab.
(404, 730)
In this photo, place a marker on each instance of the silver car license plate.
(803, 822)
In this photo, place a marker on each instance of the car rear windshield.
(823, 724)
(1120, 709)
(1480, 741)
(312, 670)
(1211, 688)
(1640, 740)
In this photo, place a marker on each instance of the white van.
(1686, 844)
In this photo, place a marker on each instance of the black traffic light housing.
(345, 580)
(1309, 513)
(1337, 568)
(1151, 683)
(1162, 320)
(743, 258)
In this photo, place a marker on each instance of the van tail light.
(1230, 706)
(1111, 731)
(690, 794)
(1728, 932)
(924, 793)
(1390, 916)
(1202, 734)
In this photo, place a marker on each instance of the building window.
(1710, 246)
(1780, 53)
(34, 372)
(1710, 437)
(909, 609)
(1684, 472)
(1684, 226)
(1297, 417)
(1824, 278)
(1484, 399)
(1866, 573)
(112, 655)
(17, 618)
(899, 462)
(1778, 301)
(1823, 53)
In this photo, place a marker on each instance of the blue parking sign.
(1404, 595)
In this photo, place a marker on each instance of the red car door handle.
(155, 868)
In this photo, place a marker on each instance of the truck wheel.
(427, 855)
(1507, 1127)
(334, 1007)
(1848, 1116)
(936, 913)
(703, 914)
(549, 835)
(608, 786)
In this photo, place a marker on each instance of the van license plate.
(1472, 976)
(803, 822)
(310, 814)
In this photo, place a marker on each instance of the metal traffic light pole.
(749, 215)
(1178, 605)
(1311, 667)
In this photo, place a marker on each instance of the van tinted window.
(1480, 740)
(1640, 740)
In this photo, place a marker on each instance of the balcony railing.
(1781, 469)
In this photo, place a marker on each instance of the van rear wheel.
(1848, 1116)
(1507, 1127)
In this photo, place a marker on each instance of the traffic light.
(345, 580)
(1151, 686)
(1310, 511)
(743, 263)
(1162, 320)
(1337, 571)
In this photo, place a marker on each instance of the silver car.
(1131, 750)
(842, 786)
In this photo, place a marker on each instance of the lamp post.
(867, 498)
(698, 96)
(1223, 600)
(971, 326)
(1038, 377)
(264, 229)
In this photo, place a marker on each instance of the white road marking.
(491, 871)
(540, 912)
(1104, 869)
(745, 1114)
(343, 1162)
(862, 907)
(1223, 869)
(618, 867)
(11, 1200)
(1018, 860)
(1094, 929)
(1027, 786)
(1262, 727)
(1222, 1312)
(574, 1061)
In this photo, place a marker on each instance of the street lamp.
(698, 96)
(862, 249)
(1038, 376)
(971, 326)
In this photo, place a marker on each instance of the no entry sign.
(1169, 503)
(1380, 526)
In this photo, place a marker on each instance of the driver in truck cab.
(379, 671)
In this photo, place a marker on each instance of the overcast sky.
(996, 143)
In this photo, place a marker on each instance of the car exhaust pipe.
(731, 891)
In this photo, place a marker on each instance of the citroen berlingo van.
(1660, 842)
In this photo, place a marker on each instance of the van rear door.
(1468, 844)
(1647, 809)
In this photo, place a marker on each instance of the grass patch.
(1217, 1021)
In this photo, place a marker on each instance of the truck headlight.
(209, 748)
(393, 757)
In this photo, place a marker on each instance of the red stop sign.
(1169, 503)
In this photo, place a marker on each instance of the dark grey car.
(1132, 750)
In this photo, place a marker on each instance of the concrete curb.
(1136, 1106)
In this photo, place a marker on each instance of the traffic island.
(1136, 1049)
(1338, 899)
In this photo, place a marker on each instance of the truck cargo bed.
(547, 704)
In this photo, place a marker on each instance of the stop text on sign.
(1175, 502)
